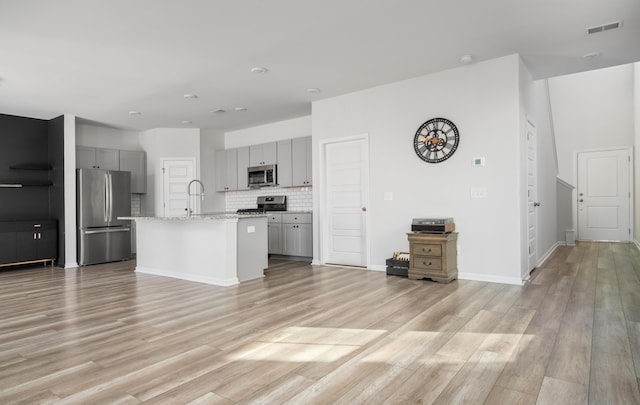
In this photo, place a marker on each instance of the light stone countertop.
(213, 216)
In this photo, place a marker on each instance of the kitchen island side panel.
(253, 248)
(202, 251)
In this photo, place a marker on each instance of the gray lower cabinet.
(274, 224)
(291, 234)
(296, 240)
(26, 241)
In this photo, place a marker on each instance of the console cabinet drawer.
(427, 250)
(427, 263)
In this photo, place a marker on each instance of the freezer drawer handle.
(108, 231)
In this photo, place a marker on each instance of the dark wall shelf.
(32, 166)
(14, 184)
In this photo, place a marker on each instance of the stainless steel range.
(267, 204)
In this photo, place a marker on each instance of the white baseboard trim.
(188, 277)
(637, 243)
(547, 255)
(71, 265)
(490, 279)
(315, 262)
(377, 267)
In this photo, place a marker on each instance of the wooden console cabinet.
(433, 256)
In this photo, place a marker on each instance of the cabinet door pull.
(425, 264)
(34, 236)
(426, 251)
(39, 235)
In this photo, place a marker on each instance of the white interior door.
(604, 197)
(345, 200)
(177, 173)
(532, 194)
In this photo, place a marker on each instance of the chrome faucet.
(189, 195)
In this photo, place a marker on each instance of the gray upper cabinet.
(135, 161)
(243, 165)
(263, 154)
(301, 161)
(226, 169)
(85, 157)
(285, 168)
(97, 158)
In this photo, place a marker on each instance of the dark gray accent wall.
(23, 141)
(32, 155)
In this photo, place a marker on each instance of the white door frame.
(574, 203)
(323, 232)
(196, 174)
(532, 222)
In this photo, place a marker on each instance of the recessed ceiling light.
(591, 55)
(218, 111)
(259, 70)
(466, 59)
(240, 108)
(313, 90)
(185, 122)
(135, 113)
(190, 96)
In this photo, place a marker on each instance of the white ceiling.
(100, 59)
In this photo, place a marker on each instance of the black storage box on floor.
(397, 267)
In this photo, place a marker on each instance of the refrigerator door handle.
(110, 197)
(106, 197)
(93, 232)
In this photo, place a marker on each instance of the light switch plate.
(251, 229)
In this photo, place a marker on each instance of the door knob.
(581, 200)
(364, 209)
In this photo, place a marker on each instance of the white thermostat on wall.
(477, 162)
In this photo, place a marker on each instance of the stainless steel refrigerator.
(103, 196)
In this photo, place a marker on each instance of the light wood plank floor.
(325, 335)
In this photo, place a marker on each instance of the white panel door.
(176, 176)
(345, 236)
(532, 192)
(604, 197)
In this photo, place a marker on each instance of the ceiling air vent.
(605, 27)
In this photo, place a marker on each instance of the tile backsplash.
(298, 198)
(135, 204)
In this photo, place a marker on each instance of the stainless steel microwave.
(263, 176)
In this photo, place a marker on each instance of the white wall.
(535, 107)
(277, 131)
(104, 137)
(591, 110)
(636, 109)
(165, 143)
(70, 224)
(483, 101)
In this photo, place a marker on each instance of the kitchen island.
(220, 248)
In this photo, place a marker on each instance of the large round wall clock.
(436, 140)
